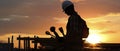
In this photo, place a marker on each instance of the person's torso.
(79, 23)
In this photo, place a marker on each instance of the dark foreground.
(80, 50)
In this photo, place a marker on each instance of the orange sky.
(36, 16)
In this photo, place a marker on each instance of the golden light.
(93, 39)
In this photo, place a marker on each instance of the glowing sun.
(93, 39)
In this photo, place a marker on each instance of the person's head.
(68, 7)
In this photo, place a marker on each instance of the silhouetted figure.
(76, 28)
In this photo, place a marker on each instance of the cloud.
(13, 17)
(5, 19)
(60, 20)
(111, 17)
(106, 17)
(25, 24)
(13, 23)
(19, 16)
(106, 24)
(108, 32)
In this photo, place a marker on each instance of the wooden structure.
(44, 42)
(26, 43)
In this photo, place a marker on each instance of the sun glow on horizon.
(93, 39)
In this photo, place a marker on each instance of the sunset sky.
(34, 17)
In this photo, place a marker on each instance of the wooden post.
(35, 44)
(8, 40)
(12, 44)
(8, 43)
(12, 40)
(19, 43)
(28, 43)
